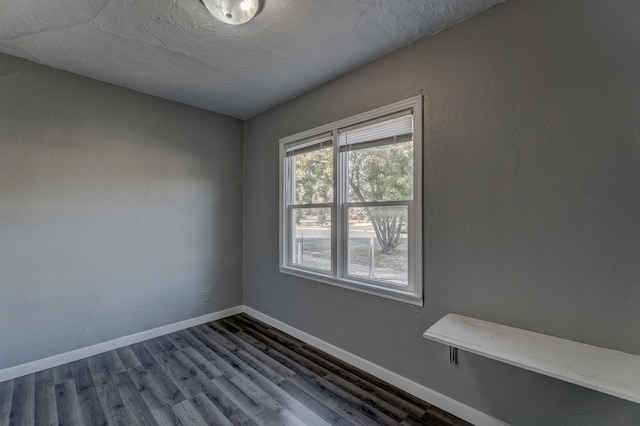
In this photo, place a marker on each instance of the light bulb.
(233, 12)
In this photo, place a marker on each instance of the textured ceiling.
(175, 49)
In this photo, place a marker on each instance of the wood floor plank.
(268, 395)
(233, 350)
(249, 422)
(165, 416)
(250, 388)
(6, 396)
(234, 321)
(245, 322)
(105, 362)
(201, 362)
(257, 354)
(133, 400)
(180, 375)
(342, 403)
(44, 376)
(215, 394)
(224, 403)
(208, 354)
(369, 381)
(114, 407)
(128, 358)
(305, 380)
(372, 400)
(444, 418)
(413, 421)
(229, 326)
(152, 346)
(239, 398)
(166, 344)
(273, 333)
(46, 411)
(268, 350)
(258, 387)
(237, 365)
(23, 401)
(92, 411)
(379, 412)
(314, 404)
(62, 373)
(345, 378)
(156, 387)
(188, 415)
(276, 418)
(178, 341)
(69, 413)
(347, 405)
(210, 413)
(273, 398)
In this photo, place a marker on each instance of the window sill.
(388, 293)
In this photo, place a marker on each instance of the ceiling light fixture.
(234, 12)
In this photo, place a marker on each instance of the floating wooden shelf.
(605, 370)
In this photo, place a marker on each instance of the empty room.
(338, 212)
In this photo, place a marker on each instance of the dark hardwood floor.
(236, 371)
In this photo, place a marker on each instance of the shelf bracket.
(453, 355)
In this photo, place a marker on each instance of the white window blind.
(309, 144)
(392, 129)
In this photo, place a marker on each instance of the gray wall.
(532, 202)
(117, 210)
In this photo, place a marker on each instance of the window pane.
(312, 238)
(378, 243)
(314, 176)
(381, 173)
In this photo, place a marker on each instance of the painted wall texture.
(117, 210)
(532, 202)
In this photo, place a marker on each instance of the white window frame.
(411, 293)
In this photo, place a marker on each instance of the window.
(351, 202)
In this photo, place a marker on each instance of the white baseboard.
(56, 360)
(444, 402)
(429, 395)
